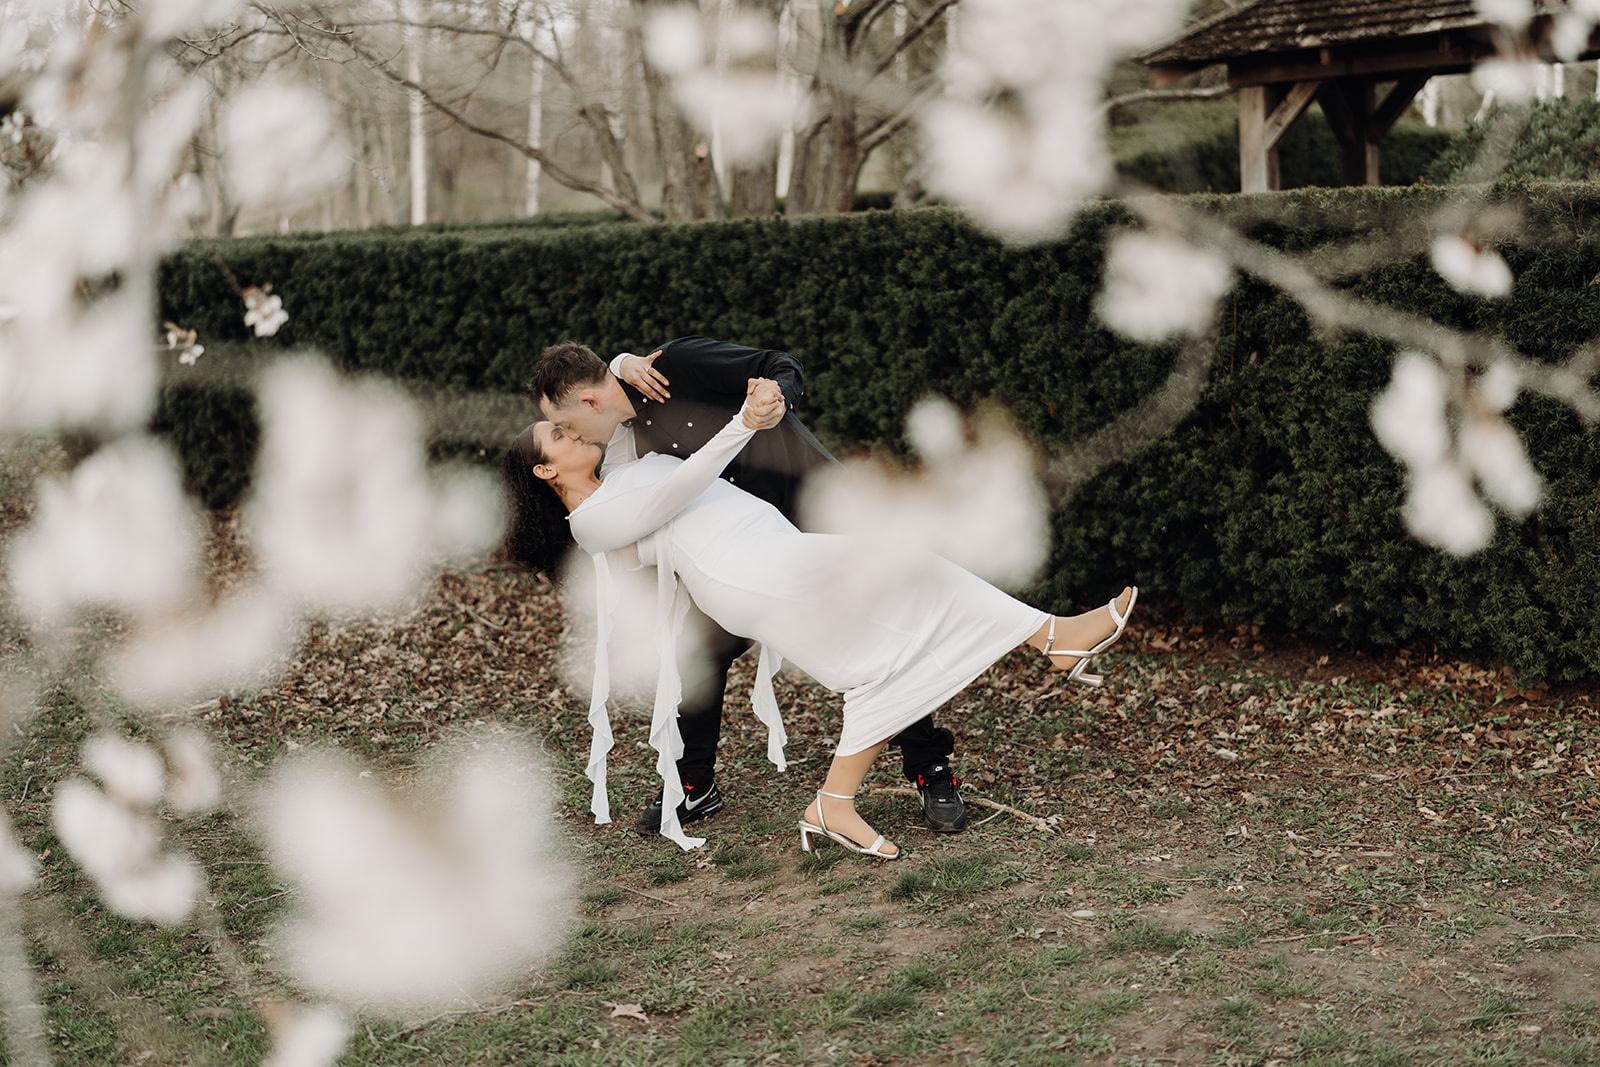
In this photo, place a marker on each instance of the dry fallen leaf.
(627, 1011)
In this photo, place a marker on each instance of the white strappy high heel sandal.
(1076, 673)
(807, 829)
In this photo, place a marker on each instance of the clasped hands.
(764, 405)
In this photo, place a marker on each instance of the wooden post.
(1265, 114)
(1258, 161)
(1349, 105)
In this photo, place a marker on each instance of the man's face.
(580, 417)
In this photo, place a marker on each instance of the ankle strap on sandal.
(836, 796)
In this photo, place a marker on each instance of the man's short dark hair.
(564, 368)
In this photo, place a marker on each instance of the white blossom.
(1020, 173)
(997, 526)
(117, 532)
(105, 837)
(240, 641)
(1569, 35)
(281, 146)
(1017, 137)
(1158, 287)
(1495, 454)
(750, 109)
(675, 39)
(17, 869)
(739, 93)
(1470, 268)
(343, 509)
(1497, 387)
(415, 902)
(131, 771)
(1513, 14)
(306, 1036)
(89, 370)
(120, 849)
(1409, 415)
(1442, 510)
(264, 311)
(185, 342)
(1515, 81)
(193, 784)
(163, 891)
(164, 19)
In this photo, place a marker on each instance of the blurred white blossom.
(305, 1036)
(1158, 287)
(979, 504)
(193, 784)
(120, 849)
(60, 370)
(1469, 267)
(281, 146)
(165, 19)
(264, 311)
(1496, 456)
(17, 869)
(1497, 388)
(1017, 137)
(417, 901)
(675, 39)
(343, 512)
(1442, 510)
(239, 641)
(1411, 419)
(1513, 14)
(117, 532)
(1409, 416)
(1516, 81)
(131, 771)
(1569, 35)
(726, 80)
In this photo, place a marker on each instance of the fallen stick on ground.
(1032, 820)
(649, 896)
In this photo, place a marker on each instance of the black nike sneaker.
(697, 804)
(942, 805)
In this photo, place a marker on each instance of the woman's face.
(566, 457)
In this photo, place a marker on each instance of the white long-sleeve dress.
(896, 654)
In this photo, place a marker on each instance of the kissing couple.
(690, 461)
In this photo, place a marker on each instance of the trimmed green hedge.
(1271, 504)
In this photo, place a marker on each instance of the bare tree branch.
(912, 35)
(1149, 96)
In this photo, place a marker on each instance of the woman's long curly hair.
(537, 533)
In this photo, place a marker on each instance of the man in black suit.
(672, 402)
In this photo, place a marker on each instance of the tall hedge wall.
(1272, 503)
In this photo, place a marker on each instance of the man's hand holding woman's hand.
(764, 406)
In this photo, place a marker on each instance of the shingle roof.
(1268, 26)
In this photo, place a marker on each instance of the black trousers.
(922, 744)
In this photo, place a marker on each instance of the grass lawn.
(1241, 850)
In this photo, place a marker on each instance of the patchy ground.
(1239, 851)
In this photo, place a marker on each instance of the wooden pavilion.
(1363, 61)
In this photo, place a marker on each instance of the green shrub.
(1561, 142)
(1271, 503)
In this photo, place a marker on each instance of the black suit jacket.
(707, 379)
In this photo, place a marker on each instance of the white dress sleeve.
(609, 521)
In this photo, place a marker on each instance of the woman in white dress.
(895, 656)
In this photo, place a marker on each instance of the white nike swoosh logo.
(690, 805)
